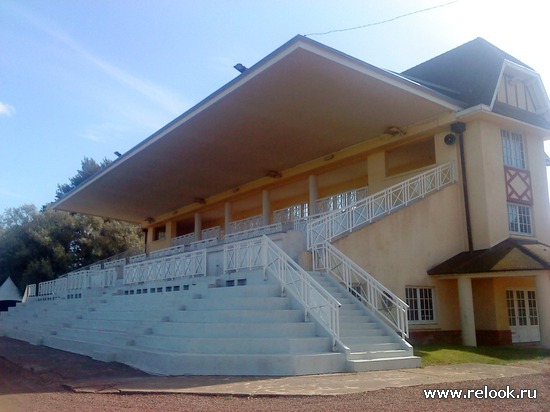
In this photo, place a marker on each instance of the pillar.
(467, 318)
(313, 193)
(198, 226)
(227, 216)
(266, 208)
(542, 282)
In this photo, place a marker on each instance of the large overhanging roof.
(301, 102)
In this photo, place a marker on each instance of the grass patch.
(497, 355)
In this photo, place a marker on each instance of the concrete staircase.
(369, 343)
(234, 324)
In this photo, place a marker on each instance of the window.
(522, 308)
(513, 150)
(159, 233)
(421, 304)
(519, 219)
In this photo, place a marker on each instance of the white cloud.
(6, 109)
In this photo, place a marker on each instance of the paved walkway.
(82, 374)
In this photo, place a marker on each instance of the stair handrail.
(373, 294)
(265, 254)
(332, 224)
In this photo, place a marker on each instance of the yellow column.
(313, 193)
(198, 226)
(266, 208)
(227, 216)
(467, 318)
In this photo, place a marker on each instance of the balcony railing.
(188, 264)
(290, 214)
(340, 200)
(245, 224)
(338, 222)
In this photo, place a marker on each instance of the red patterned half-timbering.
(518, 185)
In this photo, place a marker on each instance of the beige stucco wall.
(486, 189)
(537, 166)
(399, 249)
(486, 182)
(483, 292)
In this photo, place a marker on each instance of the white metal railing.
(103, 278)
(245, 224)
(254, 232)
(387, 305)
(301, 224)
(291, 213)
(333, 224)
(167, 251)
(188, 264)
(137, 258)
(77, 281)
(183, 239)
(114, 263)
(265, 254)
(201, 244)
(74, 281)
(211, 233)
(340, 200)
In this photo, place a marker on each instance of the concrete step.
(116, 338)
(265, 303)
(234, 345)
(111, 325)
(32, 337)
(234, 330)
(170, 363)
(380, 364)
(375, 350)
(237, 316)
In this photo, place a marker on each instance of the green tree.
(40, 245)
(88, 168)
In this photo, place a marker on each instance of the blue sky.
(88, 78)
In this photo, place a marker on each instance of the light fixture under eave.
(394, 131)
(274, 174)
(199, 200)
(149, 219)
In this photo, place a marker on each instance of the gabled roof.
(469, 72)
(507, 256)
(8, 291)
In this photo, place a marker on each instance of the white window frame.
(513, 150)
(521, 226)
(416, 304)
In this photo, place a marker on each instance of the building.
(423, 193)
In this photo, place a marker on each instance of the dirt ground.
(24, 390)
